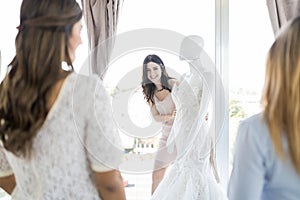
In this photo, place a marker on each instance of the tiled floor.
(139, 187)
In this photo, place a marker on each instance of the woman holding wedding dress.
(157, 87)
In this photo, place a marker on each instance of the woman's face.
(154, 72)
(75, 39)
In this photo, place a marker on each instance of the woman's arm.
(156, 115)
(8, 183)
(110, 185)
(173, 82)
(161, 118)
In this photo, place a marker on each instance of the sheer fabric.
(190, 177)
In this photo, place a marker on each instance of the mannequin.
(191, 177)
(200, 66)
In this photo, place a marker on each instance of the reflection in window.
(190, 17)
(250, 38)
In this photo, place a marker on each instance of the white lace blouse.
(77, 137)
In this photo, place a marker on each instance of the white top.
(77, 137)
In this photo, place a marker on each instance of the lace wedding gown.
(190, 177)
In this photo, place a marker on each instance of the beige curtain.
(101, 18)
(281, 11)
(298, 9)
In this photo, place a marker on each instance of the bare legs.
(157, 177)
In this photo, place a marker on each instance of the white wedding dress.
(190, 176)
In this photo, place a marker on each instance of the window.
(251, 37)
(191, 17)
(8, 10)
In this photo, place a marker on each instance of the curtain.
(101, 18)
(298, 9)
(281, 11)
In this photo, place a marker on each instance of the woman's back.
(68, 146)
(257, 169)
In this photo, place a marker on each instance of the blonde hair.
(281, 96)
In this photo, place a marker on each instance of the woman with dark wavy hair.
(157, 87)
(51, 147)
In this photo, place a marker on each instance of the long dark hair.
(41, 47)
(147, 85)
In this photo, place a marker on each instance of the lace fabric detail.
(190, 177)
(77, 138)
(5, 168)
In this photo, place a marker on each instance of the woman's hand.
(174, 114)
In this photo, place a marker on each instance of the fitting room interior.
(236, 34)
